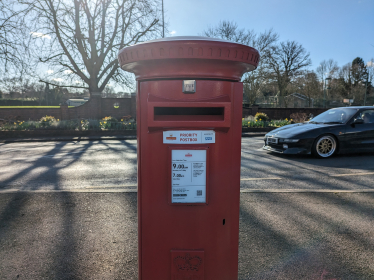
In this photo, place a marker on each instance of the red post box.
(189, 110)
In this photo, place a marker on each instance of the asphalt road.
(269, 171)
(111, 165)
(68, 211)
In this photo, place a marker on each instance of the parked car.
(338, 130)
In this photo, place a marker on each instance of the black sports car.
(338, 130)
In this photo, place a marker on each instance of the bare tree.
(344, 81)
(229, 31)
(256, 80)
(327, 68)
(287, 61)
(370, 75)
(6, 30)
(253, 81)
(79, 39)
(308, 85)
(12, 34)
(370, 70)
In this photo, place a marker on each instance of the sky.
(331, 29)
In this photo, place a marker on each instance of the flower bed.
(258, 123)
(50, 123)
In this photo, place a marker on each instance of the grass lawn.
(28, 107)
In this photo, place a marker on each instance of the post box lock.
(189, 86)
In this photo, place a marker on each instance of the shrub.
(128, 123)
(261, 117)
(108, 122)
(279, 123)
(66, 125)
(93, 125)
(109, 119)
(47, 120)
(299, 117)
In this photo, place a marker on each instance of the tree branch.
(49, 58)
(53, 84)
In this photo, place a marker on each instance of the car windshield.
(334, 116)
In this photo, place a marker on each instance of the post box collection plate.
(188, 176)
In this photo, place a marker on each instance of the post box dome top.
(188, 57)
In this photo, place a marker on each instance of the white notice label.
(189, 137)
(188, 176)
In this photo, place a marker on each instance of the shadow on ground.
(94, 236)
(65, 235)
(306, 236)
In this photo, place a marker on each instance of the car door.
(361, 136)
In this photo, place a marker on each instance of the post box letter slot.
(189, 113)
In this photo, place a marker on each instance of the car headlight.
(289, 140)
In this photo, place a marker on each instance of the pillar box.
(189, 112)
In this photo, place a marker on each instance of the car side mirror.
(358, 121)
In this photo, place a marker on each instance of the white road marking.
(109, 187)
(258, 179)
(352, 174)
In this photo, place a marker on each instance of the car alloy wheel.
(325, 146)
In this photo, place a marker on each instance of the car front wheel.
(325, 146)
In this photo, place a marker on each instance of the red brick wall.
(29, 113)
(95, 108)
(107, 107)
(90, 110)
(133, 106)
